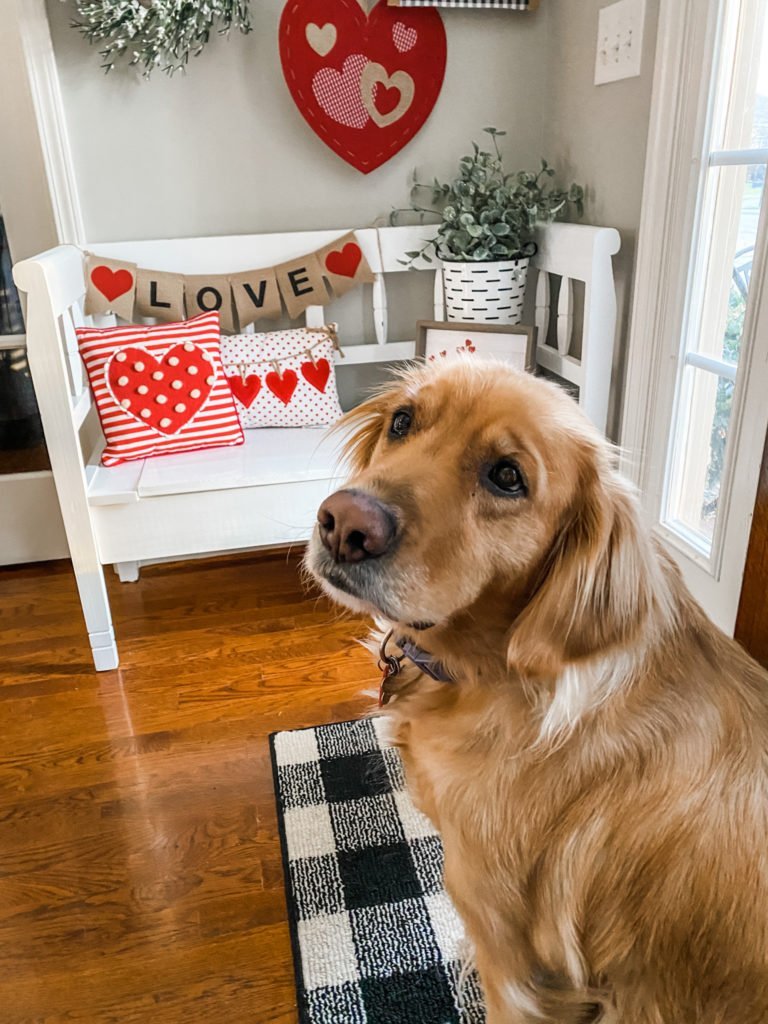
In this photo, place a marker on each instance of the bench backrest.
(55, 286)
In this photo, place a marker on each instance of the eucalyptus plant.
(487, 214)
(156, 33)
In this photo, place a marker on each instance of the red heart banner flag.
(344, 265)
(111, 287)
(365, 83)
(115, 286)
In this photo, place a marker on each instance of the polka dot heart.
(165, 393)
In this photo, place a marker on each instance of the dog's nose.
(355, 526)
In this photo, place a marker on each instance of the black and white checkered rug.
(376, 939)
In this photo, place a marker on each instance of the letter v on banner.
(257, 296)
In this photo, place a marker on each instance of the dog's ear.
(362, 427)
(595, 589)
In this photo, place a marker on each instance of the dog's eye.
(401, 423)
(504, 477)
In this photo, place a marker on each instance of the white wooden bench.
(267, 491)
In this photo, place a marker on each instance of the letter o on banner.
(206, 304)
(206, 293)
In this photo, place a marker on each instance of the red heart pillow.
(295, 374)
(159, 389)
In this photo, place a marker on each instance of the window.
(730, 209)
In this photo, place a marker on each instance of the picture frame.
(455, 339)
(488, 5)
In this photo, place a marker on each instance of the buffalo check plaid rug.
(376, 940)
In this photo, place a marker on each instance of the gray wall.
(596, 135)
(223, 149)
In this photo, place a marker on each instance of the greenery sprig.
(487, 214)
(156, 33)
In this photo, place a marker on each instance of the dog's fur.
(599, 769)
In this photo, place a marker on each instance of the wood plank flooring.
(140, 872)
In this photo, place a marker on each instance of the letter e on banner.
(301, 284)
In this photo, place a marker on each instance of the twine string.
(327, 331)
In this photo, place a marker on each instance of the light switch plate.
(619, 41)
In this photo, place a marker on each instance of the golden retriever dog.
(593, 750)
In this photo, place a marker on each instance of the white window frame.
(675, 163)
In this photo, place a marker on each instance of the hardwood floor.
(140, 872)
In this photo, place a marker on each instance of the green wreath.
(157, 33)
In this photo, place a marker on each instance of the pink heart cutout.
(339, 93)
(403, 38)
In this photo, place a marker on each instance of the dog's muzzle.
(354, 526)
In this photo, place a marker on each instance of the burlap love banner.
(122, 288)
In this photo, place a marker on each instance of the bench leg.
(127, 572)
(104, 649)
(98, 617)
(58, 377)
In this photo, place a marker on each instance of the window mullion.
(716, 366)
(737, 157)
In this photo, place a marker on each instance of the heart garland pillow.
(282, 378)
(365, 83)
(159, 389)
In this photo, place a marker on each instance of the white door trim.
(38, 185)
(43, 74)
(676, 120)
(680, 114)
(41, 206)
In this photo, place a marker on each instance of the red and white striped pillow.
(160, 389)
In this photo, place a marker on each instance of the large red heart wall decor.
(364, 83)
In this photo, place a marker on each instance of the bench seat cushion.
(269, 456)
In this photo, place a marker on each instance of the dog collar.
(392, 665)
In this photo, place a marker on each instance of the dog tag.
(389, 667)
